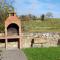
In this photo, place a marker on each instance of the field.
(42, 53)
(50, 25)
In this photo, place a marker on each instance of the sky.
(37, 7)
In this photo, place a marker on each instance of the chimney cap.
(11, 13)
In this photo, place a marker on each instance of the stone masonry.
(45, 39)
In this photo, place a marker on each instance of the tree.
(28, 17)
(42, 17)
(32, 17)
(25, 17)
(5, 6)
(49, 15)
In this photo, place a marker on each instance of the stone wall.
(45, 39)
(2, 34)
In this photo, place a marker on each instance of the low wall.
(2, 34)
(45, 39)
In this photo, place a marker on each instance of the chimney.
(12, 13)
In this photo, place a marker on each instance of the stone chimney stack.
(12, 13)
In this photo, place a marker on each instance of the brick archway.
(13, 29)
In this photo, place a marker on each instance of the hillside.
(50, 25)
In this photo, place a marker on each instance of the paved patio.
(13, 54)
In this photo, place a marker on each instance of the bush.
(2, 28)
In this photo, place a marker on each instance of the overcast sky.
(37, 7)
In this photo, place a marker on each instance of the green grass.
(42, 53)
(49, 25)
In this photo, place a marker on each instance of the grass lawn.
(42, 53)
(51, 25)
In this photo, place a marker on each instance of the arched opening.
(2, 43)
(58, 42)
(12, 29)
(13, 43)
(32, 42)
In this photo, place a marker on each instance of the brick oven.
(12, 37)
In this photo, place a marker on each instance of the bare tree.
(5, 5)
(49, 14)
